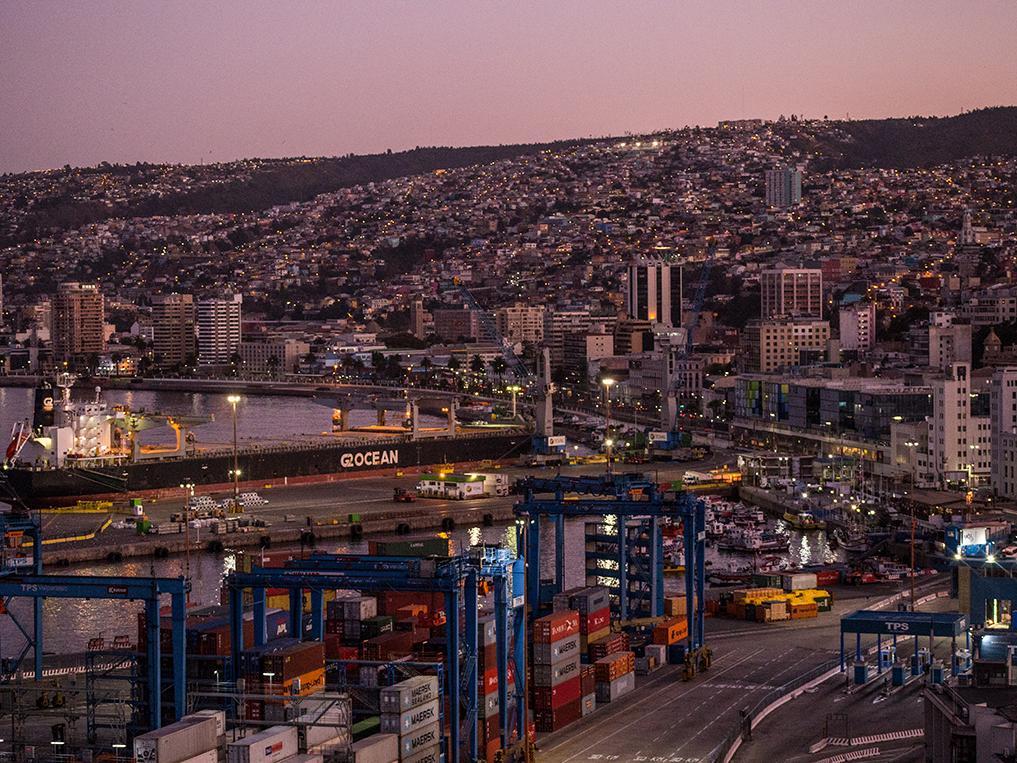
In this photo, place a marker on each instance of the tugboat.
(803, 521)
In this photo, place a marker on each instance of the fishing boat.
(803, 520)
(751, 540)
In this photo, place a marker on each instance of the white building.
(520, 323)
(1003, 406)
(858, 326)
(959, 449)
(557, 325)
(272, 356)
(949, 340)
(218, 329)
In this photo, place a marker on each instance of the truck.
(459, 487)
(697, 478)
(402, 495)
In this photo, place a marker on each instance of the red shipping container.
(595, 621)
(488, 656)
(545, 698)
(827, 578)
(588, 675)
(556, 626)
(559, 718)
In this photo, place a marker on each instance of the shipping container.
(269, 746)
(549, 698)
(556, 626)
(410, 693)
(410, 720)
(428, 755)
(305, 758)
(556, 651)
(595, 621)
(487, 631)
(421, 739)
(218, 715)
(177, 742)
(416, 547)
(588, 676)
(611, 691)
(589, 703)
(212, 756)
(794, 581)
(609, 644)
(377, 748)
(558, 718)
(553, 675)
(827, 577)
(318, 737)
(671, 631)
(614, 666)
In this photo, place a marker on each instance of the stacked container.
(269, 746)
(286, 668)
(557, 685)
(377, 748)
(615, 675)
(410, 710)
(191, 739)
(588, 689)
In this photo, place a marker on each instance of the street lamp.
(233, 400)
(514, 389)
(188, 487)
(608, 442)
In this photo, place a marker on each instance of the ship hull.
(38, 487)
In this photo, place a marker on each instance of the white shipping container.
(556, 651)
(219, 715)
(304, 758)
(419, 740)
(176, 742)
(377, 748)
(609, 692)
(797, 581)
(360, 608)
(312, 737)
(487, 630)
(410, 720)
(589, 704)
(212, 756)
(487, 705)
(269, 746)
(432, 755)
(559, 673)
(412, 692)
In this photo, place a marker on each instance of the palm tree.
(477, 365)
(499, 366)
(273, 365)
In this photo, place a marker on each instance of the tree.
(499, 367)
(477, 365)
(273, 364)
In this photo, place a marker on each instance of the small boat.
(729, 578)
(804, 521)
(751, 540)
(674, 569)
(855, 543)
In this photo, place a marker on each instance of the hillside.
(920, 141)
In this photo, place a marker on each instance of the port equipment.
(148, 590)
(625, 497)
(455, 577)
(901, 625)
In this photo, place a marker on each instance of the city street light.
(608, 442)
(233, 400)
(514, 389)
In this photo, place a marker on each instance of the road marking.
(638, 719)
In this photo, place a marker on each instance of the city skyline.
(184, 84)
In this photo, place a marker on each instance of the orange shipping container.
(614, 666)
(671, 631)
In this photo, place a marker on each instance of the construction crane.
(672, 437)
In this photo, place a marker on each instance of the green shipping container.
(417, 547)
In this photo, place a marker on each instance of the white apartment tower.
(858, 326)
(218, 329)
(959, 443)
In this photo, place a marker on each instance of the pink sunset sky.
(85, 81)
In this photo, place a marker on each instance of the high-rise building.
(520, 323)
(949, 340)
(769, 345)
(858, 326)
(1003, 414)
(417, 318)
(654, 291)
(78, 321)
(783, 187)
(959, 440)
(791, 292)
(173, 329)
(218, 329)
(559, 323)
(271, 355)
(456, 324)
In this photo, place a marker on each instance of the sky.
(85, 81)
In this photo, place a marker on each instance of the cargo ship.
(80, 450)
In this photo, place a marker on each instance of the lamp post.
(188, 487)
(514, 389)
(233, 400)
(608, 442)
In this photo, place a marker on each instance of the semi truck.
(459, 487)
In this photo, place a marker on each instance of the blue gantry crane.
(455, 577)
(625, 497)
